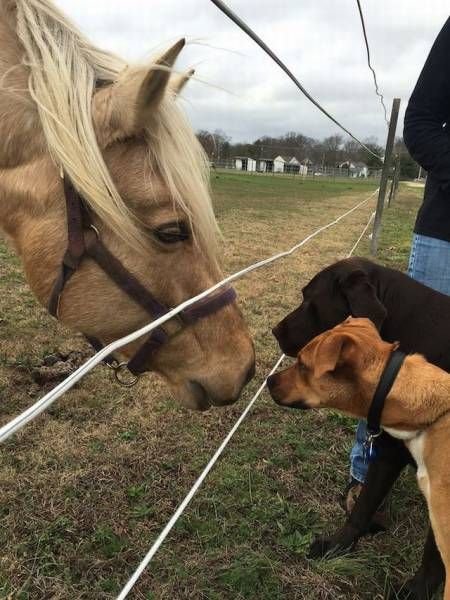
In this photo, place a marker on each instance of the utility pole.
(385, 175)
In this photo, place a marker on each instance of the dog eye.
(172, 233)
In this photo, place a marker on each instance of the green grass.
(268, 194)
(88, 487)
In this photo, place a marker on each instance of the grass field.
(88, 487)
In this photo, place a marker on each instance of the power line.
(377, 90)
(240, 23)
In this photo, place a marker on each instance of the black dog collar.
(384, 386)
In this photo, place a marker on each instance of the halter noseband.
(84, 241)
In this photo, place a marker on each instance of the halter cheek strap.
(84, 241)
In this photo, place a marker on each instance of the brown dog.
(340, 369)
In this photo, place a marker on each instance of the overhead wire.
(369, 63)
(242, 25)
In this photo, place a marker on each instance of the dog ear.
(362, 297)
(330, 351)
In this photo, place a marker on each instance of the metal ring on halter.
(95, 230)
(121, 368)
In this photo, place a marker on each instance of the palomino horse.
(116, 132)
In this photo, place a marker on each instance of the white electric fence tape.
(33, 411)
(165, 532)
(177, 514)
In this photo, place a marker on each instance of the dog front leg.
(428, 578)
(380, 477)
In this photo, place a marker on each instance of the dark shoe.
(380, 520)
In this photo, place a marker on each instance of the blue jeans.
(429, 263)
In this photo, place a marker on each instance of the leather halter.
(84, 242)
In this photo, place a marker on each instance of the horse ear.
(362, 297)
(126, 107)
(178, 82)
(330, 351)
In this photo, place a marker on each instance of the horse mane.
(64, 71)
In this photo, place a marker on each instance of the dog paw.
(329, 547)
(341, 542)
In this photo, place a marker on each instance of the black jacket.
(427, 137)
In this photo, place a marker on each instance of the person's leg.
(429, 262)
(358, 466)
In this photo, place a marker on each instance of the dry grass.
(89, 485)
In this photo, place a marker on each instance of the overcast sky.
(320, 41)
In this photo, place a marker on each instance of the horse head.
(120, 135)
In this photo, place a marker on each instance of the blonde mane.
(64, 71)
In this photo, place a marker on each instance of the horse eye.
(172, 233)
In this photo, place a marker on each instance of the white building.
(358, 169)
(245, 163)
(303, 170)
(265, 165)
(278, 164)
(293, 165)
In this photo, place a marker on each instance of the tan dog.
(341, 368)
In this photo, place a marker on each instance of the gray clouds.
(321, 42)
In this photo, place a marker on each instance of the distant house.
(296, 167)
(292, 166)
(245, 163)
(265, 165)
(279, 163)
(362, 170)
(357, 169)
(272, 165)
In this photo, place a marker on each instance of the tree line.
(329, 152)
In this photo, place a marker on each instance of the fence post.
(395, 179)
(385, 175)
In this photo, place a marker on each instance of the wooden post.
(385, 175)
(395, 178)
(397, 181)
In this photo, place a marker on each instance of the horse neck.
(20, 131)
